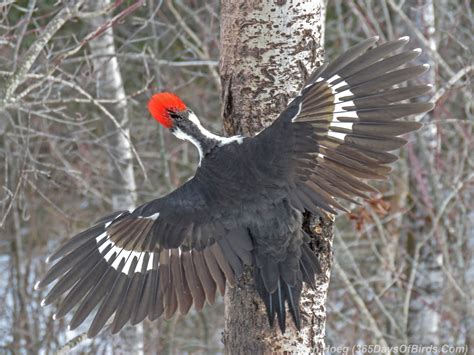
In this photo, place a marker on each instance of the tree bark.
(468, 304)
(424, 320)
(110, 86)
(267, 50)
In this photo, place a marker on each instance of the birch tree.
(267, 50)
(109, 86)
(424, 315)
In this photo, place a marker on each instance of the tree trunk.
(110, 86)
(424, 313)
(121, 177)
(267, 49)
(468, 303)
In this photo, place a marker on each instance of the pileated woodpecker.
(245, 204)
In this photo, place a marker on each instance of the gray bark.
(110, 86)
(469, 281)
(424, 315)
(267, 49)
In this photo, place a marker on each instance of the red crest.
(160, 105)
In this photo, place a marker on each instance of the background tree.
(425, 318)
(109, 86)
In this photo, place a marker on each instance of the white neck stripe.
(220, 140)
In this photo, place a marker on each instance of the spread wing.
(340, 129)
(163, 257)
(176, 251)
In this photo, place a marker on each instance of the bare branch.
(35, 49)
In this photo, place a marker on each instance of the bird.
(245, 204)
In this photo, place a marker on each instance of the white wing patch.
(342, 109)
(345, 125)
(339, 110)
(116, 254)
(340, 95)
(337, 135)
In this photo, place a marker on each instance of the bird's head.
(169, 110)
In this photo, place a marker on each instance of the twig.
(202, 51)
(105, 111)
(360, 304)
(421, 37)
(64, 214)
(71, 344)
(366, 285)
(99, 31)
(452, 81)
(35, 49)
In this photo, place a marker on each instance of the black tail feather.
(275, 302)
(281, 311)
(288, 294)
(292, 295)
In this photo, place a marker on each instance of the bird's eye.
(176, 116)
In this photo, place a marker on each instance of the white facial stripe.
(181, 135)
(206, 133)
(221, 140)
(194, 119)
